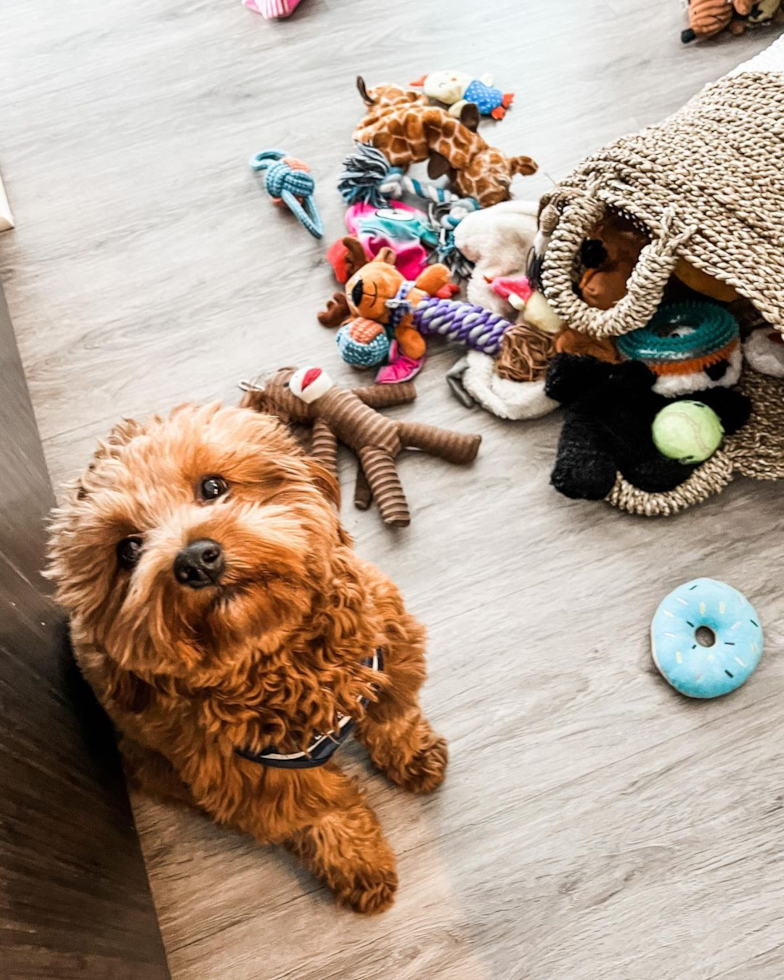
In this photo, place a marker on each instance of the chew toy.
(706, 639)
(688, 431)
(309, 396)
(288, 182)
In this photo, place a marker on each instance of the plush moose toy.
(610, 410)
(406, 129)
(710, 17)
(309, 396)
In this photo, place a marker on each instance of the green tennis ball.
(687, 431)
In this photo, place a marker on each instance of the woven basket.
(708, 186)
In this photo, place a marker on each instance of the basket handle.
(644, 288)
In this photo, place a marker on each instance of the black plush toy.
(610, 409)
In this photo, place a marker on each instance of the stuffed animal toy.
(607, 429)
(709, 17)
(400, 227)
(764, 351)
(609, 255)
(457, 88)
(407, 130)
(308, 396)
(382, 301)
(393, 316)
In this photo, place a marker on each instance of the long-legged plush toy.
(309, 396)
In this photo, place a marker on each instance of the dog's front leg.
(406, 748)
(319, 814)
(344, 845)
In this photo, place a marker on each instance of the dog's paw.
(427, 768)
(369, 891)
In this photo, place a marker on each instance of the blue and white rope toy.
(369, 177)
(288, 181)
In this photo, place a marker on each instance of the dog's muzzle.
(199, 564)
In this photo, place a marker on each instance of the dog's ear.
(325, 481)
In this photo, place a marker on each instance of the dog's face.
(193, 539)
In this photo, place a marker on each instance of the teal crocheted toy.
(288, 182)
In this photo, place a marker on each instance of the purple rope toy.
(473, 326)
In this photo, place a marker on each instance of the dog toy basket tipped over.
(707, 185)
(309, 396)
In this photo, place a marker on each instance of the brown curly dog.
(218, 608)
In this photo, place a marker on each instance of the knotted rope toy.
(289, 182)
(369, 177)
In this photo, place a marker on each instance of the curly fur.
(267, 656)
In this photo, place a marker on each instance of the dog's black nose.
(200, 563)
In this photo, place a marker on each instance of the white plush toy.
(498, 241)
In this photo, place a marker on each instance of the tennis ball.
(688, 431)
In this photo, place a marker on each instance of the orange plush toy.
(406, 129)
(709, 17)
(381, 300)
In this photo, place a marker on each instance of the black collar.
(323, 747)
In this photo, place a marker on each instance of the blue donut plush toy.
(706, 638)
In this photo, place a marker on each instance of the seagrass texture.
(708, 183)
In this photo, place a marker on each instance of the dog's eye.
(212, 487)
(129, 551)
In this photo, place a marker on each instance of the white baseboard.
(6, 218)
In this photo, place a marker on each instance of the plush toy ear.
(325, 482)
(364, 92)
(385, 255)
(437, 166)
(469, 116)
(523, 165)
(346, 255)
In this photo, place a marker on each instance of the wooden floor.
(595, 824)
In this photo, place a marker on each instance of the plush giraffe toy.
(406, 129)
(309, 396)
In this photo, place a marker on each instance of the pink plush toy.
(272, 9)
(398, 226)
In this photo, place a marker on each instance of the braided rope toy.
(477, 328)
(289, 182)
(369, 177)
(474, 326)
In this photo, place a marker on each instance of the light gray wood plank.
(594, 824)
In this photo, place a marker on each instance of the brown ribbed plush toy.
(309, 396)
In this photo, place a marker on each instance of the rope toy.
(474, 326)
(289, 182)
(369, 177)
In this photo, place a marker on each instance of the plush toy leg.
(385, 485)
(363, 495)
(455, 447)
(584, 468)
(324, 446)
(411, 342)
(384, 396)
